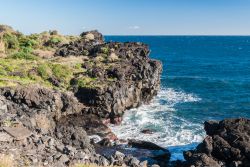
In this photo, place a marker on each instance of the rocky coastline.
(58, 93)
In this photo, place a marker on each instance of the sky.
(129, 17)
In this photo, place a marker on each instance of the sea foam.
(168, 128)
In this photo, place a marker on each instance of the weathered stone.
(134, 162)
(103, 161)
(18, 133)
(155, 165)
(226, 145)
(105, 142)
(64, 158)
(4, 137)
(145, 145)
(144, 163)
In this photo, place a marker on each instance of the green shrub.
(27, 42)
(85, 52)
(23, 55)
(105, 50)
(55, 40)
(86, 82)
(26, 50)
(44, 71)
(78, 66)
(11, 41)
(3, 71)
(61, 72)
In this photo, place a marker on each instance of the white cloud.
(134, 27)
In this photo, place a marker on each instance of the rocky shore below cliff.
(58, 94)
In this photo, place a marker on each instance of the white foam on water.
(159, 116)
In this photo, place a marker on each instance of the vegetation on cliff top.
(68, 62)
(29, 59)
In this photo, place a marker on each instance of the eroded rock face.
(36, 97)
(84, 46)
(125, 76)
(28, 124)
(58, 124)
(137, 80)
(44, 127)
(227, 144)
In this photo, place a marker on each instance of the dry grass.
(6, 161)
(46, 54)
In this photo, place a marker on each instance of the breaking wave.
(168, 128)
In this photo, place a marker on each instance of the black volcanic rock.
(227, 144)
(52, 125)
(50, 128)
(86, 45)
(144, 145)
(124, 75)
(95, 35)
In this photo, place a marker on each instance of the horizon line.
(247, 35)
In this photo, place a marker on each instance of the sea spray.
(159, 117)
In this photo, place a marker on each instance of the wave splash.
(159, 116)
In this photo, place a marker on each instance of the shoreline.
(57, 91)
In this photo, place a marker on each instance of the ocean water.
(204, 78)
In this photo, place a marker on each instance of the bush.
(27, 42)
(61, 71)
(55, 40)
(23, 55)
(105, 50)
(44, 71)
(11, 41)
(86, 82)
(78, 66)
(3, 71)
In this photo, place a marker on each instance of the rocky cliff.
(124, 75)
(58, 92)
(227, 144)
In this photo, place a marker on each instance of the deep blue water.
(204, 78)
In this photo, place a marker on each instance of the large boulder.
(83, 46)
(227, 144)
(93, 35)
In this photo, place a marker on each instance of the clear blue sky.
(141, 17)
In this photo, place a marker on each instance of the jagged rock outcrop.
(124, 75)
(83, 46)
(137, 82)
(44, 127)
(227, 144)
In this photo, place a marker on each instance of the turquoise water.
(204, 78)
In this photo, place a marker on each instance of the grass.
(15, 72)
(87, 82)
(44, 71)
(23, 55)
(105, 50)
(11, 41)
(61, 72)
(6, 161)
(23, 66)
(28, 71)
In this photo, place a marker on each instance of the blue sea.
(204, 78)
